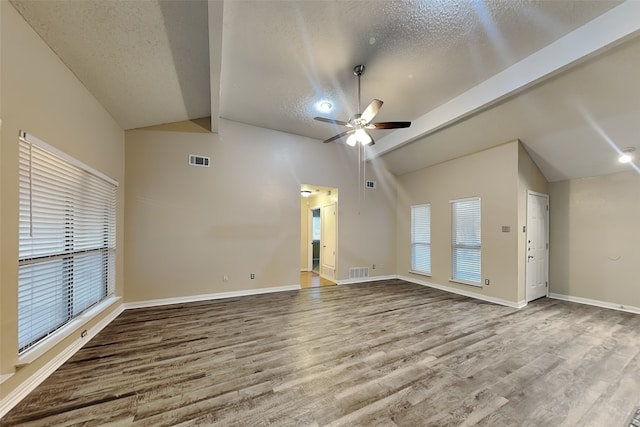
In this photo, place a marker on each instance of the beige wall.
(41, 96)
(491, 175)
(594, 238)
(188, 227)
(529, 179)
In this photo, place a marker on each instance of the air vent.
(370, 184)
(329, 273)
(358, 272)
(199, 161)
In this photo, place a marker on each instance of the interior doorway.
(537, 262)
(319, 235)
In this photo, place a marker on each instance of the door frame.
(310, 239)
(546, 261)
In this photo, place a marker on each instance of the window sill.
(65, 331)
(5, 377)
(420, 273)
(464, 282)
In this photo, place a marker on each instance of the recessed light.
(626, 155)
(325, 106)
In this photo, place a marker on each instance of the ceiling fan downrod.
(358, 70)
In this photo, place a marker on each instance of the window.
(66, 240)
(465, 242)
(421, 239)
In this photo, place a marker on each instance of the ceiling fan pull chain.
(364, 173)
(358, 183)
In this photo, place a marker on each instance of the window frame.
(455, 245)
(87, 272)
(415, 244)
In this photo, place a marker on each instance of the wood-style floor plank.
(385, 353)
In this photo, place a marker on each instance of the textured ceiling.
(148, 62)
(567, 124)
(279, 58)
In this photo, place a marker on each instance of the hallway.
(310, 279)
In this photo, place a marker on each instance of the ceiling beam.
(604, 32)
(216, 9)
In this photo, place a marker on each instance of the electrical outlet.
(373, 267)
(225, 278)
(253, 276)
(486, 282)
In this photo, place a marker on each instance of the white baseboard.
(365, 279)
(13, 398)
(597, 303)
(205, 297)
(494, 300)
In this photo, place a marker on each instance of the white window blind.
(67, 239)
(466, 240)
(421, 238)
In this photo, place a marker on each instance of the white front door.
(328, 239)
(537, 251)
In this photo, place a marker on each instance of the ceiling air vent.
(199, 161)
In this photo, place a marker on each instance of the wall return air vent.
(358, 272)
(202, 161)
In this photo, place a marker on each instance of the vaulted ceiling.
(470, 74)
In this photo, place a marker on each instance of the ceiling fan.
(360, 123)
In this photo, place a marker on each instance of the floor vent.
(358, 272)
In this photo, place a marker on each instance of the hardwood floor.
(309, 279)
(384, 353)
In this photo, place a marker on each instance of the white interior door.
(328, 239)
(537, 254)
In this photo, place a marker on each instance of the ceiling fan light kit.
(360, 123)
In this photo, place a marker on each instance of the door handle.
(529, 257)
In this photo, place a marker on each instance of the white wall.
(41, 96)
(594, 238)
(188, 227)
(491, 175)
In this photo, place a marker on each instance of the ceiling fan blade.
(370, 112)
(338, 136)
(388, 125)
(332, 121)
